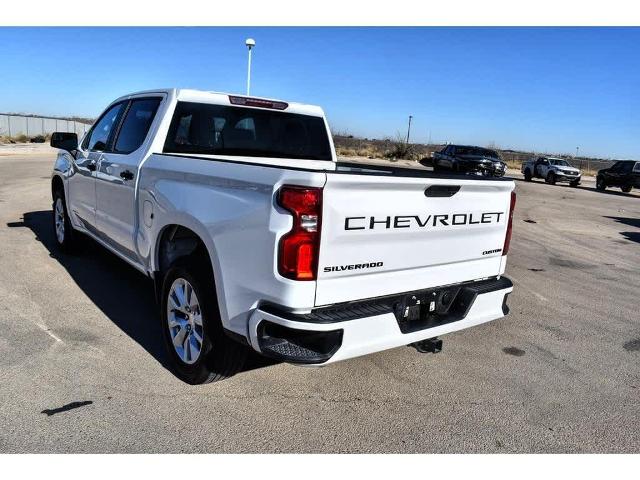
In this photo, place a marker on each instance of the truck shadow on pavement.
(632, 222)
(122, 293)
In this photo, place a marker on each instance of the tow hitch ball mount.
(430, 345)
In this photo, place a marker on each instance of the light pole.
(577, 150)
(250, 43)
(409, 128)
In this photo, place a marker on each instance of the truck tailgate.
(385, 234)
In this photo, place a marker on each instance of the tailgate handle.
(442, 190)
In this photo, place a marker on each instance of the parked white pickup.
(552, 170)
(254, 234)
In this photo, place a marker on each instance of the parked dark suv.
(624, 174)
(468, 159)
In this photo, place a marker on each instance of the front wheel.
(62, 229)
(600, 185)
(551, 178)
(198, 349)
(574, 183)
(527, 175)
(626, 189)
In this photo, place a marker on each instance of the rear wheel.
(600, 185)
(198, 349)
(626, 189)
(62, 229)
(551, 178)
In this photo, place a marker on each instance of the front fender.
(62, 168)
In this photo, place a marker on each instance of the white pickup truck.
(255, 236)
(552, 170)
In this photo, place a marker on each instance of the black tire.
(65, 238)
(220, 357)
(626, 189)
(527, 175)
(574, 184)
(551, 178)
(600, 184)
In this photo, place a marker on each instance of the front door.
(82, 181)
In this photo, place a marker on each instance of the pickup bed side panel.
(231, 206)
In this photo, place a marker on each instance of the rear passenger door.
(626, 173)
(543, 168)
(447, 157)
(117, 175)
(613, 175)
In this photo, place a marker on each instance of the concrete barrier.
(15, 125)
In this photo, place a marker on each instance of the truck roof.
(222, 98)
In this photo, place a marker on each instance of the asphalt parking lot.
(81, 364)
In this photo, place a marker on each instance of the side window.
(616, 167)
(98, 138)
(136, 124)
(452, 150)
(626, 167)
(636, 168)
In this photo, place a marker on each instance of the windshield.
(252, 132)
(481, 152)
(560, 163)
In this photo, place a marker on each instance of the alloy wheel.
(59, 220)
(184, 318)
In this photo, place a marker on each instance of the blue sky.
(543, 89)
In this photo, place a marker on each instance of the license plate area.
(431, 308)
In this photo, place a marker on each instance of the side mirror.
(64, 141)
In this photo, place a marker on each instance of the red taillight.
(298, 253)
(257, 102)
(507, 237)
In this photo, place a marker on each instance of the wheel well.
(56, 185)
(178, 242)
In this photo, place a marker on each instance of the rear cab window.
(200, 128)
